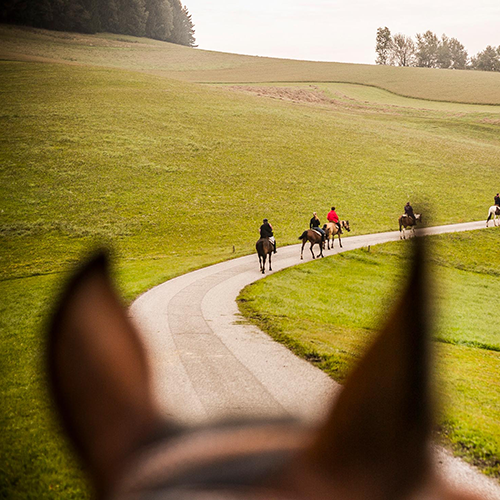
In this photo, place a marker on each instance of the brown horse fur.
(331, 229)
(405, 221)
(373, 446)
(315, 239)
(264, 248)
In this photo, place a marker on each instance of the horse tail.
(303, 236)
(489, 216)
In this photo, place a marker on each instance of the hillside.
(105, 142)
(197, 65)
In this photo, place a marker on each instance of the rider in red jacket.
(333, 217)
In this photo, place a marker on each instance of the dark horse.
(315, 239)
(405, 221)
(331, 229)
(264, 248)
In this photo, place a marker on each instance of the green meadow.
(105, 142)
(183, 63)
(329, 311)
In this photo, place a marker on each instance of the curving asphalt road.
(208, 364)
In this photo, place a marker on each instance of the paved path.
(208, 363)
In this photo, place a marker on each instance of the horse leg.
(311, 248)
(260, 263)
(302, 250)
(340, 241)
(264, 264)
(270, 253)
(488, 219)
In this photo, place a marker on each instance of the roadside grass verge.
(328, 312)
(175, 176)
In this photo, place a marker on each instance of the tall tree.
(108, 14)
(160, 20)
(443, 55)
(487, 60)
(183, 30)
(458, 54)
(383, 45)
(132, 17)
(402, 50)
(81, 16)
(427, 50)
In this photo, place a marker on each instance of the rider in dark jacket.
(266, 231)
(409, 212)
(497, 200)
(315, 224)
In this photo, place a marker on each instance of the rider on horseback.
(315, 224)
(409, 212)
(266, 231)
(497, 200)
(333, 217)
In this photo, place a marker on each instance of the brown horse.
(315, 239)
(331, 229)
(264, 248)
(405, 221)
(373, 446)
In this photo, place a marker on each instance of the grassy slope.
(206, 66)
(125, 156)
(173, 175)
(326, 312)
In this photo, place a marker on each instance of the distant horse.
(314, 238)
(405, 221)
(331, 229)
(494, 212)
(264, 248)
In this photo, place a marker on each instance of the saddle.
(318, 231)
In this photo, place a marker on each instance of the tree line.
(430, 51)
(166, 20)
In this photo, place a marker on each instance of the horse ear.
(376, 439)
(98, 374)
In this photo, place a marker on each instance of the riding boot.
(275, 247)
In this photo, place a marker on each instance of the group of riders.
(266, 230)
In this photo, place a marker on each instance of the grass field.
(197, 65)
(329, 311)
(176, 175)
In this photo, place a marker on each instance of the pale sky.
(334, 30)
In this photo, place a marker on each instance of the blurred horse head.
(373, 445)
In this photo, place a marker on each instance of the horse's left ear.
(375, 442)
(99, 375)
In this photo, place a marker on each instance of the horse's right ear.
(99, 375)
(375, 443)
